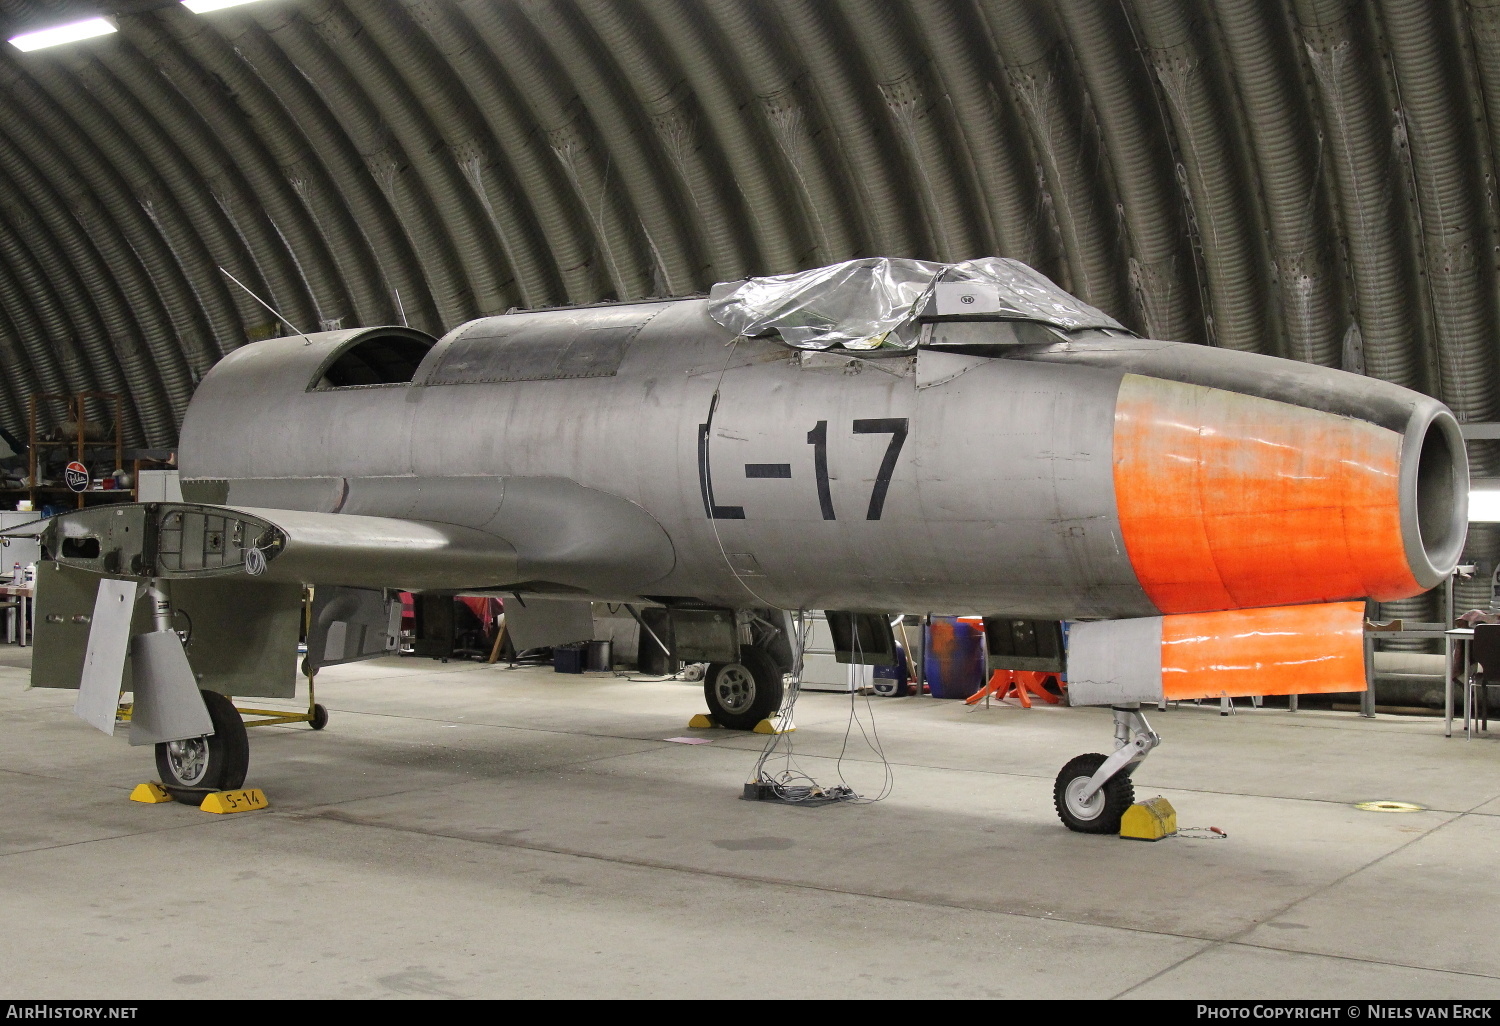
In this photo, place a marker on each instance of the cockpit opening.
(388, 357)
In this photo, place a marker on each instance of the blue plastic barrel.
(953, 657)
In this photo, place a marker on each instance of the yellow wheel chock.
(152, 793)
(769, 725)
(243, 800)
(1149, 820)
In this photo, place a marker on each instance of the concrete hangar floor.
(470, 831)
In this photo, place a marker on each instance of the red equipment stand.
(1018, 684)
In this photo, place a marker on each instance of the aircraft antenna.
(399, 308)
(268, 306)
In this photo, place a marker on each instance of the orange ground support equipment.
(1018, 684)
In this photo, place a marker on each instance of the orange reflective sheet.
(1286, 650)
(1228, 500)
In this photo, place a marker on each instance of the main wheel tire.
(214, 762)
(1099, 815)
(319, 718)
(740, 695)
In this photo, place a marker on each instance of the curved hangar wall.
(1303, 177)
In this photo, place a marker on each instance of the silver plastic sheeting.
(874, 303)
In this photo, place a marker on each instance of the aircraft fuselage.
(983, 478)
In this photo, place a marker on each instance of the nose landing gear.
(1093, 791)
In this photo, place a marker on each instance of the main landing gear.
(741, 694)
(214, 762)
(1093, 791)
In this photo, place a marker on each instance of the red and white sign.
(77, 476)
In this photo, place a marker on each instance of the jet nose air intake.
(1229, 500)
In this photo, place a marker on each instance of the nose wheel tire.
(214, 762)
(741, 694)
(1102, 812)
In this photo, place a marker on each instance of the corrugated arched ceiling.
(1309, 178)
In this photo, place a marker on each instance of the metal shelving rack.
(81, 447)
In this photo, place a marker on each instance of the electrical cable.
(889, 780)
(791, 784)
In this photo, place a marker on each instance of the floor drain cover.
(1384, 806)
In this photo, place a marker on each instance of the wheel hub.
(189, 760)
(1080, 809)
(735, 688)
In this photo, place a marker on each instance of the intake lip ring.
(1434, 493)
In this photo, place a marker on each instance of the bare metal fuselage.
(743, 473)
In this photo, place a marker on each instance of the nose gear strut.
(1093, 791)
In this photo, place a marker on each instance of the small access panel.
(862, 638)
(351, 624)
(1012, 644)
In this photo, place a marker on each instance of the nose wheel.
(1093, 791)
(1096, 812)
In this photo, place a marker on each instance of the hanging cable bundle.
(793, 786)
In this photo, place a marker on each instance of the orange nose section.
(1227, 500)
